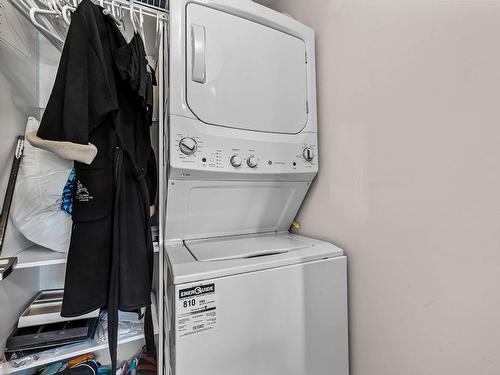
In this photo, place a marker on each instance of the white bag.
(36, 205)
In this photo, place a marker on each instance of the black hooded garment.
(102, 99)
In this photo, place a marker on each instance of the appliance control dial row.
(308, 153)
(236, 161)
(252, 161)
(188, 145)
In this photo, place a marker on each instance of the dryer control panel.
(247, 154)
(198, 151)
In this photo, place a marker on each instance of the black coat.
(102, 99)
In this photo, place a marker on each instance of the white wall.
(18, 100)
(409, 182)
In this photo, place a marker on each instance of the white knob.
(236, 161)
(308, 154)
(252, 161)
(188, 146)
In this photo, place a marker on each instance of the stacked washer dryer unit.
(245, 296)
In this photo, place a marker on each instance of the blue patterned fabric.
(67, 195)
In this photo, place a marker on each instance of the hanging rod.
(148, 9)
(48, 27)
(147, 6)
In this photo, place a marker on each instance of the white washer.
(263, 304)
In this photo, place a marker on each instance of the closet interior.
(31, 38)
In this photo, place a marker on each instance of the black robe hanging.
(99, 114)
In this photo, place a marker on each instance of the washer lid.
(185, 267)
(244, 247)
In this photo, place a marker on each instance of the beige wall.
(409, 182)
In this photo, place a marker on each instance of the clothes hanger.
(66, 13)
(108, 12)
(115, 16)
(61, 4)
(132, 15)
(34, 12)
(56, 7)
(158, 31)
(50, 5)
(120, 17)
(27, 5)
(67, 9)
(113, 9)
(141, 25)
(46, 5)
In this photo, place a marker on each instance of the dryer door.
(244, 75)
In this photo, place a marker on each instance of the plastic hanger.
(114, 16)
(56, 6)
(158, 31)
(67, 9)
(51, 5)
(113, 8)
(120, 17)
(141, 25)
(34, 12)
(29, 4)
(66, 12)
(109, 13)
(132, 15)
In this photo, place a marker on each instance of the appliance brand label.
(197, 290)
(196, 310)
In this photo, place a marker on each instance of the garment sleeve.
(73, 108)
(66, 115)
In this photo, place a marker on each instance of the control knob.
(188, 146)
(252, 161)
(308, 153)
(236, 161)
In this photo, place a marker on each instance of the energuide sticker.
(196, 310)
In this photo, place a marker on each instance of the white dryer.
(242, 122)
(245, 295)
